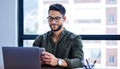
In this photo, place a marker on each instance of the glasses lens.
(57, 18)
(49, 18)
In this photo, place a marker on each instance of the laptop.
(22, 57)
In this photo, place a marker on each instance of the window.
(83, 16)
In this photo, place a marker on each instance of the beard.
(59, 27)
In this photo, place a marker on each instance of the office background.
(9, 35)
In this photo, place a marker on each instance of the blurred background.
(22, 20)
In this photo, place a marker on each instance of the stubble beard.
(59, 27)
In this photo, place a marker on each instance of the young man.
(63, 48)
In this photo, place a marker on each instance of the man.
(63, 48)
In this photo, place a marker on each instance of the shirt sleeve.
(77, 54)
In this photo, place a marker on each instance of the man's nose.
(53, 21)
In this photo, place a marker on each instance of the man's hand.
(48, 58)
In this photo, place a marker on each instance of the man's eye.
(57, 18)
(50, 18)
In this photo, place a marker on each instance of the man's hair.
(58, 7)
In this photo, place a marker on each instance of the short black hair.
(58, 7)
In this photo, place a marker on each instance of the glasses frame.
(56, 19)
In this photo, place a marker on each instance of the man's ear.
(64, 18)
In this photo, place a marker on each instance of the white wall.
(8, 25)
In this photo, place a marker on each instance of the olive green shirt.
(69, 47)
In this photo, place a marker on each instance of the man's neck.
(56, 35)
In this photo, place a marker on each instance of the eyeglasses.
(54, 18)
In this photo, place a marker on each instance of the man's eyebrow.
(54, 17)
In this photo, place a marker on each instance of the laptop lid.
(22, 57)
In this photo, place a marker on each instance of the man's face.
(55, 20)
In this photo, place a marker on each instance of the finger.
(46, 53)
(46, 60)
(46, 57)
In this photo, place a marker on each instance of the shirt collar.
(61, 35)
